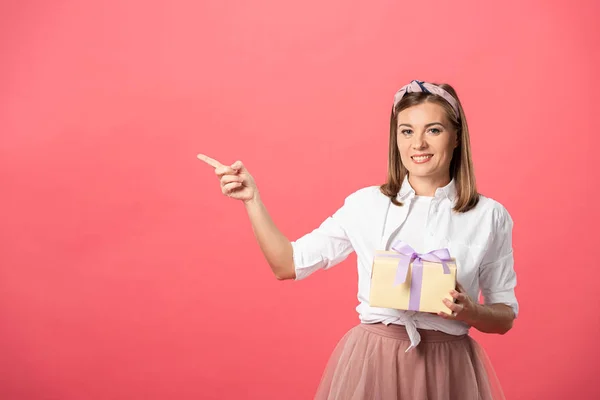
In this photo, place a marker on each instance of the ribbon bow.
(418, 86)
(406, 255)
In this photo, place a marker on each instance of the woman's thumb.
(238, 166)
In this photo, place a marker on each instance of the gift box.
(406, 280)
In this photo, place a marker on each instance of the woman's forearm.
(276, 248)
(492, 318)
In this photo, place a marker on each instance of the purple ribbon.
(406, 255)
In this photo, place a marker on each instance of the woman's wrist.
(476, 315)
(254, 200)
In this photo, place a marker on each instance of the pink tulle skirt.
(370, 362)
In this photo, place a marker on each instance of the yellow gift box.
(405, 280)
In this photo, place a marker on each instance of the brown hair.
(461, 166)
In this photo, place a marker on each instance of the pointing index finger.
(210, 161)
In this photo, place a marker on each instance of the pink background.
(125, 274)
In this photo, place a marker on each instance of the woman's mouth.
(421, 158)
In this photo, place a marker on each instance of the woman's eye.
(435, 131)
(406, 131)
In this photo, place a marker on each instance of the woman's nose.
(419, 142)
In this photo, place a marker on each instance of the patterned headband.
(418, 86)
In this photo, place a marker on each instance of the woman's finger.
(225, 170)
(230, 187)
(210, 161)
(458, 296)
(456, 308)
(446, 315)
(225, 179)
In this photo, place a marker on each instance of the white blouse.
(480, 240)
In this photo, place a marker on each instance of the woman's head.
(429, 140)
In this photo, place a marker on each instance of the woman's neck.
(426, 186)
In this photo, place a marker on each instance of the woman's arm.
(497, 280)
(322, 248)
(276, 248)
(237, 183)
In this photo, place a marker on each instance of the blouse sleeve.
(497, 277)
(325, 246)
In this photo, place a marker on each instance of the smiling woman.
(430, 202)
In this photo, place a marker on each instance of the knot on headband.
(418, 86)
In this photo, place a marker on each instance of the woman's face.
(426, 141)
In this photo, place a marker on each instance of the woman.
(429, 201)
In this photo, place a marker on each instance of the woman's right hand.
(236, 181)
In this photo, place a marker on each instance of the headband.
(418, 86)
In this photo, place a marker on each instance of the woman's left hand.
(464, 309)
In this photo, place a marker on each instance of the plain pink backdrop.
(125, 274)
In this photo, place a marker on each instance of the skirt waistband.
(399, 332)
